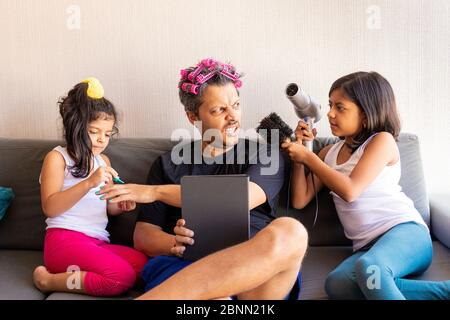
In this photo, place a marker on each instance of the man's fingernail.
(102, 197)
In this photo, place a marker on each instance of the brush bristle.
(274, 122)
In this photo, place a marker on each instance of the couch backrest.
(23, 226)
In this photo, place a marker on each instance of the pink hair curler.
(196, 72)
(238, 84)
(229, 75)
(209, 62)
(184, 73)
(202, 78)
(227, 71)
(227, 68)
(190, 88)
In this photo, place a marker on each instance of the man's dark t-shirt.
(246, 157)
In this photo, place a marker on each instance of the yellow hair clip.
(95, 88)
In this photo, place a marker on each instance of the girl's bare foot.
(41, 278)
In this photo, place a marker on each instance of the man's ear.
(192, 117)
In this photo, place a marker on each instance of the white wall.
(137, 47)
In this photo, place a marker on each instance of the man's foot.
(41, 279)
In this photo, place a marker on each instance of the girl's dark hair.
(77, 111)
(192, 102)
(374, 95)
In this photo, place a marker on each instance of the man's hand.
(127, 205)
(128, 192)
(183, 236)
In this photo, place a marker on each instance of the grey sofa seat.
(16, 269)
(22, 229)
(314, 273)
(74, 296)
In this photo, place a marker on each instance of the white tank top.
(88, 215)
(381, 206)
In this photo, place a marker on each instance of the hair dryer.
(306, 108)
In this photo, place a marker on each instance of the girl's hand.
(303, 132)
(297, 152)
(127, 205)
(128, 192)
(102, 174)
(183, 236)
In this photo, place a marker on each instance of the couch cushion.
(74, 296)
(440, 268)
(320, 261)
(440, 217)
(413, 178)
(23, 227)
(16, 274)
(6, 196)
(16, 278)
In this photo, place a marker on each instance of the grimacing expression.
(220, 114)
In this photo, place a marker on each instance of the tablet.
(216, 208)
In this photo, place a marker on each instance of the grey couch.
(23, 227)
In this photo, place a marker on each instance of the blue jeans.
(378, 274)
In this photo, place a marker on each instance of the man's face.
(220, 114)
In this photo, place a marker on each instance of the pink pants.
(110, 269)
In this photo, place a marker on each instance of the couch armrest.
(440, 217)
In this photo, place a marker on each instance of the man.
(264, 267)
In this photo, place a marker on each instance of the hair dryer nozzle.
(304, 106)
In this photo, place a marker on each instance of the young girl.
(390, 238)
(77, 254)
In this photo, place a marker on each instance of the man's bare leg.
(276, 288)
(265, 267)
